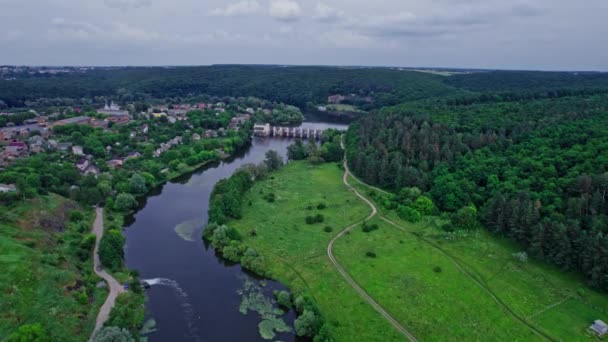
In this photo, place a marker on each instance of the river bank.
(206, 305)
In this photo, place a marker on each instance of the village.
(182, 122)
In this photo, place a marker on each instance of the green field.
(435, 285)
(41, 281)
(557, 303)
(297, 252)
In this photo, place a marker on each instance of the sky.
(491, 34)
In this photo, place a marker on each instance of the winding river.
(194, 294)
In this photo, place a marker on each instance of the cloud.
(236, 9)
(11, 35)
(285, 10)
(127, 4)
(325, 13)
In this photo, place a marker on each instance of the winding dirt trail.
(113, 284)
(345, 274)
(456, 262)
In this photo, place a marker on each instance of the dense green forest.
(536, 170)
(293, 85)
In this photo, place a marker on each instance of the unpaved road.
(345, 274)
(113, 284)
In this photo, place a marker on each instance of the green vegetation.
(534, 171)
(47, 283)
(441, 271)
(295, 253)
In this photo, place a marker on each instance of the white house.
(77, 150)
(261, 130)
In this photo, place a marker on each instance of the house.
(92, 170)
(52, 144)
(112, 110)
(261, 130)
(250, 110)
(132, 155)
(115, 163)
(196, 137)
(16, 147)
(64, 146)
(336, 99)
(8, 188)
(159, 115)
(599, 327)
(77, 150)
(210, 134)
(144, 128)
(322, 109)
(171, 119)
(82, 164)
(37, 144)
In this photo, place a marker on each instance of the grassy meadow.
(555, 302)
(43, 280)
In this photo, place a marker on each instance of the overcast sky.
(511, 34)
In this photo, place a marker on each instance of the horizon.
(465, 34)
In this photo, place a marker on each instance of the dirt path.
(345, 274)
(457, 263)
(113, 284)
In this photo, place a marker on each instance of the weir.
(265, 130)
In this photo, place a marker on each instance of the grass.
(556, 302)
(42, 279)
(296, 251)
(343, 108)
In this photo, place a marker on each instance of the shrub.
(370, 254)
(309, 207)
(367, 228)
(112, 334)
(111, 249)
(284, 299)
(321, 206)
(76, 216)
(409, 214)
(125, 202)
(319, 218)
(29, 332)
(328, 229)
(437, 269)
(310, 220)
(270, 198)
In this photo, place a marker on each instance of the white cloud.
(285, 10)
(11, 35)
(236, 9)
(326, 13)
(127, 4)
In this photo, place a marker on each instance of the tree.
(297, 151)
(111, 249)
(29, 333)
(307, 324)
(273, 160)
(465, 218)
(112, 334)
(137, 184)
(125, 202)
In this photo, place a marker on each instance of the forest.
(535, 170)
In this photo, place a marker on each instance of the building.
(79, 120)
(196, 137)
(16, 147)
(77, 150)
(8, 188)
(82, 164)
(37, 144)
(599, 327)
(64, 146)
(261, 130)
(144, 128)
(336, 99)
(115, 163)
(112, 110)
(119, 119)
(322, 109)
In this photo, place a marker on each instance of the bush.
(328, 229)
(270, 198)
(370, 254)
(409, 214)
(76, 216)
(367, 228)
(437, 269)
(111, 249)
(284, 299)
(321, 206)
(310, 220)
(319, 218)
(112, 334)
(29, 332)
(128, 313)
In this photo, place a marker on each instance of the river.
(195, 294)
